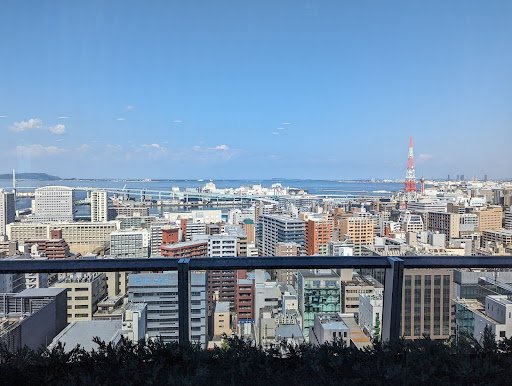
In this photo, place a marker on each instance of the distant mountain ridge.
(30, 176)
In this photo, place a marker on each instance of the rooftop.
(318, 273)
(331, 322)
(222, 307)
(182, 244)
(83, 332)
(39, 292)
(289, 331)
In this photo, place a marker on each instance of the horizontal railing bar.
(10, 265)
(298, 262)
(457, 262)
(87, 265)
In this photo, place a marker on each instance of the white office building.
(222, 245)
(160, 292)
(370, 314)
(54, 203)
(129, 243)
(472, 317)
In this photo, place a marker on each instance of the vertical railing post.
(392, 311)
(183, 300)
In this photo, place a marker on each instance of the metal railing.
(394, 270)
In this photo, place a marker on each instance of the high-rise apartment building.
(221, 283)
(99, 206)
(426, 303)
(360, 230)
(318, 235)
(7, 210)
(160, 292)
(244, 298)
(447, 223)
(273, 229)
(54, 203)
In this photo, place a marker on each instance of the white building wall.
(99, 206)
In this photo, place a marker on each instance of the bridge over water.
(189, 196)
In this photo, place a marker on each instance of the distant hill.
(30, 176)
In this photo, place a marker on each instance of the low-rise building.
(370, 314)
(32, 317)
(329, 328)
(472, 317)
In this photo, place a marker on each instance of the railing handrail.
(20, 265)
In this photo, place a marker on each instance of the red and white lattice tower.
(410, 175)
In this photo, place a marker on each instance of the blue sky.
(256, 89)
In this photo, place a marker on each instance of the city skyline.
(261, 90)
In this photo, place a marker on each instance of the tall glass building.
(319, 291)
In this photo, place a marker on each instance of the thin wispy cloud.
(422, 158)
(220, 148)
(120, 119)
(112, 147)
(84, 148)
(37, 150)
(153, 146)
(154, 150)
(216, 153)
(129, 107)
(177, 121)
(281, 128)
(63, 117)
(286, 123)
(3, 116)
(275, 133)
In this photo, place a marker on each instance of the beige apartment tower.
(490, 218)
(360, 230)
(84, 292)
